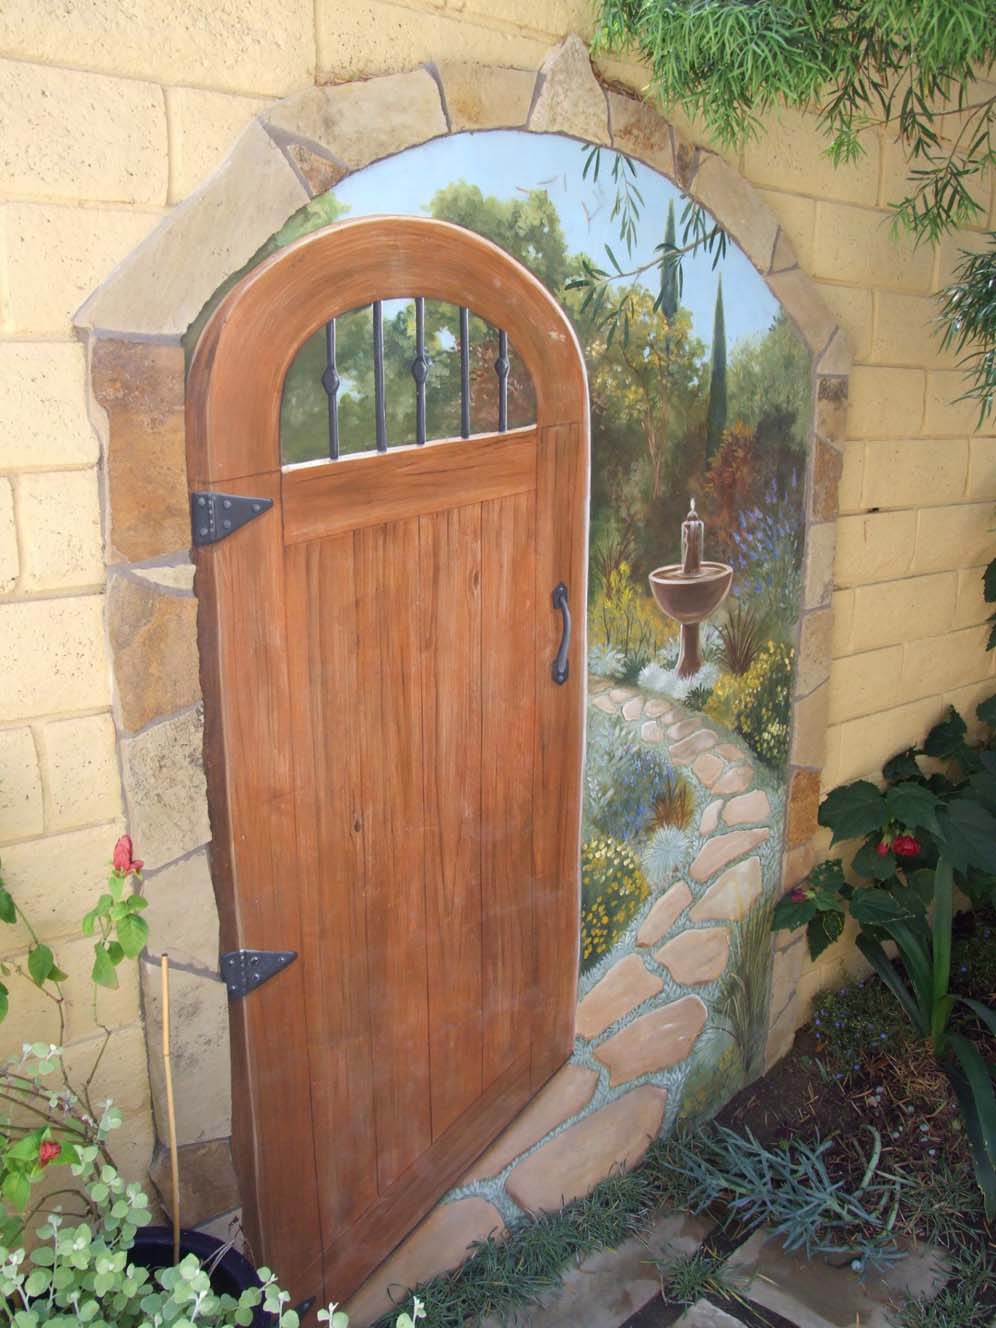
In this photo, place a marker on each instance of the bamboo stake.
(174, 1161)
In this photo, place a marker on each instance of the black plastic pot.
(230, 1275)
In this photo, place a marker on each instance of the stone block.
(875, 546)
(854, 246)
(485, 97)
(892, 612)
(821, 544)
(803, 805)
(43, 419)
(21, 808)
(809, 728)
(440, 1242)
(813, 664)
(61, 542)
(790, 158)
(797, 218)
(654, 1041)
(864, 684)
(733, 896)
(851, 306)
(362, 122)
(836, 357)
(570, 98)
(123, 1077)
(316, 170)
(885, 403)
(58, 254)
(77, 136)
(970, 606)
(981, 467)
(707, 768)
(141, 387)
(154, 636)
(852, 476)
(747, 809)
(52, 657)
(735, 203)
(827, 466)
(57, 879)
(265, 44)
(208, 1183)
(567, 1093)
(696, 956)
(9, 558)
(831, 408)
(664, 914)
(115, 1008)
(31, 1016)
(182, 913)
(800, 298)
(373, 37)
(948, 537)
(945, 415)
(199, 1048)
(159, 289)
(940, 664)
(571, 1164)
(177, 576)
(640, 131)
(866, 743)
(625, 986)
(166, 789)
(721, 850)
(916, 472)
(203, 127)
(710, 817)
(83, 785)
(906, 333)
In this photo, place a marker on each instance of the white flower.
(606, 661)
(665, 851)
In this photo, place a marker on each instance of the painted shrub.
(699, 391)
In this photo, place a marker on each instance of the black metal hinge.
(245, 970)
(213, 516)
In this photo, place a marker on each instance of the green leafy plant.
(741, 634)
(674, 803)
(763, 702)
(695, 1276)
(627, 620)
(613, 887)
(47, 1124)
(920, 836)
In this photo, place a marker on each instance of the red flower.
(122, 860)
(883, 848)
(799, 895)
(905, 846)
(48, 1151)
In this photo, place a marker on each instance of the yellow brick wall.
(110, 114)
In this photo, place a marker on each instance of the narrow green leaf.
(981, 1085)
(8, 909)
(879, 961)
(943, 913)
(982, 1164)
(4, 1002)
(985, 1012)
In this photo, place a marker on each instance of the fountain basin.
(688, 597)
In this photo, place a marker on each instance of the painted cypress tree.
(716, 419)
(669, 271)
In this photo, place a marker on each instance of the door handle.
(561, 668)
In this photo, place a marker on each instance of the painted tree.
(716, 416)
(669, 273)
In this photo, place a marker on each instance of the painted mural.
(700, 417)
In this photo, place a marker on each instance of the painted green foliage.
(716, 417)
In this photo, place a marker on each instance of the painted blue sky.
(504, 162)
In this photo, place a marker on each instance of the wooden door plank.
(389, 704)
(508, 649)
(350, 1261)
(560, 550)
(322, 662)
(328, 497)
(450, 612)
(241, 583)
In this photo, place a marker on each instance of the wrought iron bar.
(465, 373)
(501, 369)
(331, 382)
(420, 369)
(379, 400)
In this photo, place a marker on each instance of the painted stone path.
(651, 1024)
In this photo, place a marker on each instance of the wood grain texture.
(326, 497)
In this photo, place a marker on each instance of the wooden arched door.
(394, 772)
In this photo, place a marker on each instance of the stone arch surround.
(133, 326)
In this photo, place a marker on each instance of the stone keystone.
(571, 1164)
(696, 956)
(733, 895)
(655, 1041)
(566, 1095)
(486, 97)
(571, 100)
(724, 849)
(625, 986)
(664, 914)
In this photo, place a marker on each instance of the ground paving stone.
(664, 914)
